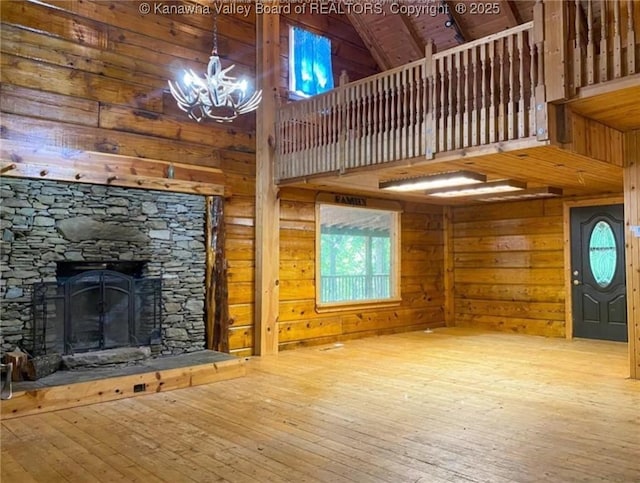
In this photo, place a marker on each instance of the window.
(357, 255)
(310, 71)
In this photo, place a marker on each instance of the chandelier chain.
(215, 34)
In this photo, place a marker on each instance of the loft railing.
(603, 44)
(479, 93)
(492, 90)
(485, 91)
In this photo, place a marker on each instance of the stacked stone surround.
(40, 220)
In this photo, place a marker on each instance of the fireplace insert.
(93, 306)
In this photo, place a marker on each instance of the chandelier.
(217, 96)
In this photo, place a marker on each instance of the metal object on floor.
(5, 380)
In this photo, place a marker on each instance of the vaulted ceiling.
(397, 32)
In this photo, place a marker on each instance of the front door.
(598, 273)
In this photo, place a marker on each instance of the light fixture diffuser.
(529, 194)
(434, 181)
(502, 186)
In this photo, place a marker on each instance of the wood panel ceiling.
(547, 166)
(397, 32)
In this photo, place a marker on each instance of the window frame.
(299, 95)
(350, 201)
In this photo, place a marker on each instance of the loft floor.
(451, 405)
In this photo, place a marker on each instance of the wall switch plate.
(635, 229)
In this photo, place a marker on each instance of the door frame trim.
(566, 226)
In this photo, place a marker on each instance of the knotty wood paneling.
(632, 218)
(421, 285)
(91, 77)
(508, 267)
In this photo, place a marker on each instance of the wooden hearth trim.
(25, 403)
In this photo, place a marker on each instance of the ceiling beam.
(511, 13)
(460, 22)
(414, 38)
(370, 41)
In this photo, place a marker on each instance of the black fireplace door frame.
(97, 301)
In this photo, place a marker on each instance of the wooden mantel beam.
(26, 160)
(267, 203)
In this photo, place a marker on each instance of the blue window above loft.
(310, 71)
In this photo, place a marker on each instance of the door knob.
(576, 273)
(576, 282)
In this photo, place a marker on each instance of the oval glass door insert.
(602, 253)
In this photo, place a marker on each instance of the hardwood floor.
(449, 406)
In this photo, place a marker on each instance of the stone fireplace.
(112, 243)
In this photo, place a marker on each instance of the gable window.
(357, 255)
(310, 71)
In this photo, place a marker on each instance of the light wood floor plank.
(452, 405)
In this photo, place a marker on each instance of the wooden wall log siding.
(508, 267)
(83, 87)
(587, 137)
(632, 218)
(422, 291)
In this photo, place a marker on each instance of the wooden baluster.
(631, 40)
(522, 126)
(511, 108)
(429, 146)
(407, 85)
(385, 122)
(604, 50)
(475, 124)
(395, 106)
(442, 129)
(577, 49)
(532, 84)
(617, 41)
(410, 105)
(451, 101)
(484, 87)
(503, 89)
(493, 135)
(369, 124)
(317, 113)
(308, 121)
(466, 120)
(458, 130)
(378, 99)
(591, 57)
(382, 103)
(359, 123)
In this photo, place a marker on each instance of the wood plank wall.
(421, 280)
(632, 218)
(508, 267)
(92, 77)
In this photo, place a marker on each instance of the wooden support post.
(267, 244)
(216, 296)
(555, 54)
(632, 219)
(210, 304)
(449, 289)
(540, 108)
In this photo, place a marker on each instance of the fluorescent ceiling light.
(529, 194)
(502, 186)
(441, 180)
